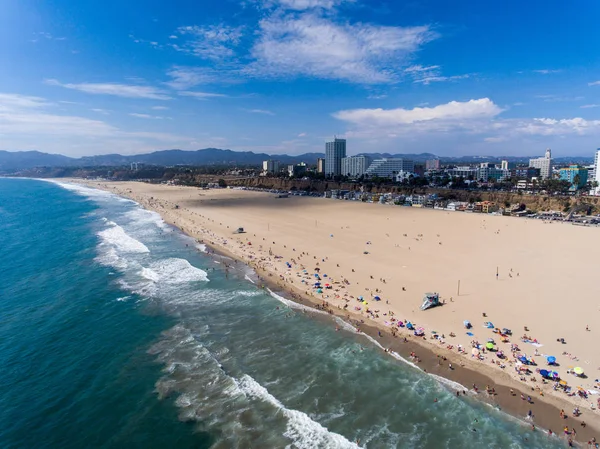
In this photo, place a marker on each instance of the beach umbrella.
(360, 298)
(551, 359)
(489, 325)
(467, 324)
(320, 290)
(578, 370)
(490, 345)
(544, 372)
(377, 298)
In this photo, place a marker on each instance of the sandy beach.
(532, 277)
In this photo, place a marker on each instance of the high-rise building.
(335, 151)
(576, 175)
(504, 165)
(355, 166)
(489, 171)
(390, 167)
(321, 165)
(544, 164)
(597, 171)
(271, 166)
(432, 164)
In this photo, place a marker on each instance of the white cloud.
(159, 108)
(595, 83)
(438, 79)
(183, 77)
(259, 111)
(214, 42)
(100, 111)
(546, 71)
(376, 97)
(16, 101)
(120, 90)
(302, 135)
(201, 95)
(420, 68)
(311, 45)
(557, 98)
(554, 127)
(430, 74)
(587, 106)
(453, 111)
(27, 122)
(172, 36)
(300, 5)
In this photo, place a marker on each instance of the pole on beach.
(458, 289)
(496, 273)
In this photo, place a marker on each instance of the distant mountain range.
(24, 160)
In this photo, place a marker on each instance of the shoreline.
(433, 358)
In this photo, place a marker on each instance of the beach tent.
(551, 360)
(506, 331)
(430, 300)
(377, 298)
(409, 326)
(360, 298)
(578, 370)
(467, 324)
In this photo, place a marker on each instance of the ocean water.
(118, 331)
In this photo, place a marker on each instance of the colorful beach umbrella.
(489, 345)
(551, 359)
(578, 370)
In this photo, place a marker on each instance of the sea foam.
(304, 432)
(173, 271)
(116, 236)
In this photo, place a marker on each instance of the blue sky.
(282, 76)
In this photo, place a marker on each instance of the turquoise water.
(118, 331)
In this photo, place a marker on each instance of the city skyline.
(284, 76)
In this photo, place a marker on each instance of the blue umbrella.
(377, 298)
(551, 359)
(544, 372)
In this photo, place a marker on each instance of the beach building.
(432, 164)
(464, 171)
(596, 176)
(297, 170)
(544, 164)
(355, 166)
(321, 165)
(335, 151)
(576, 175)
(525, 172)
(270, 166)
(488, 171)
(389, 167)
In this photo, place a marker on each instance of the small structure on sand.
(430, 300)
(239, 231)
